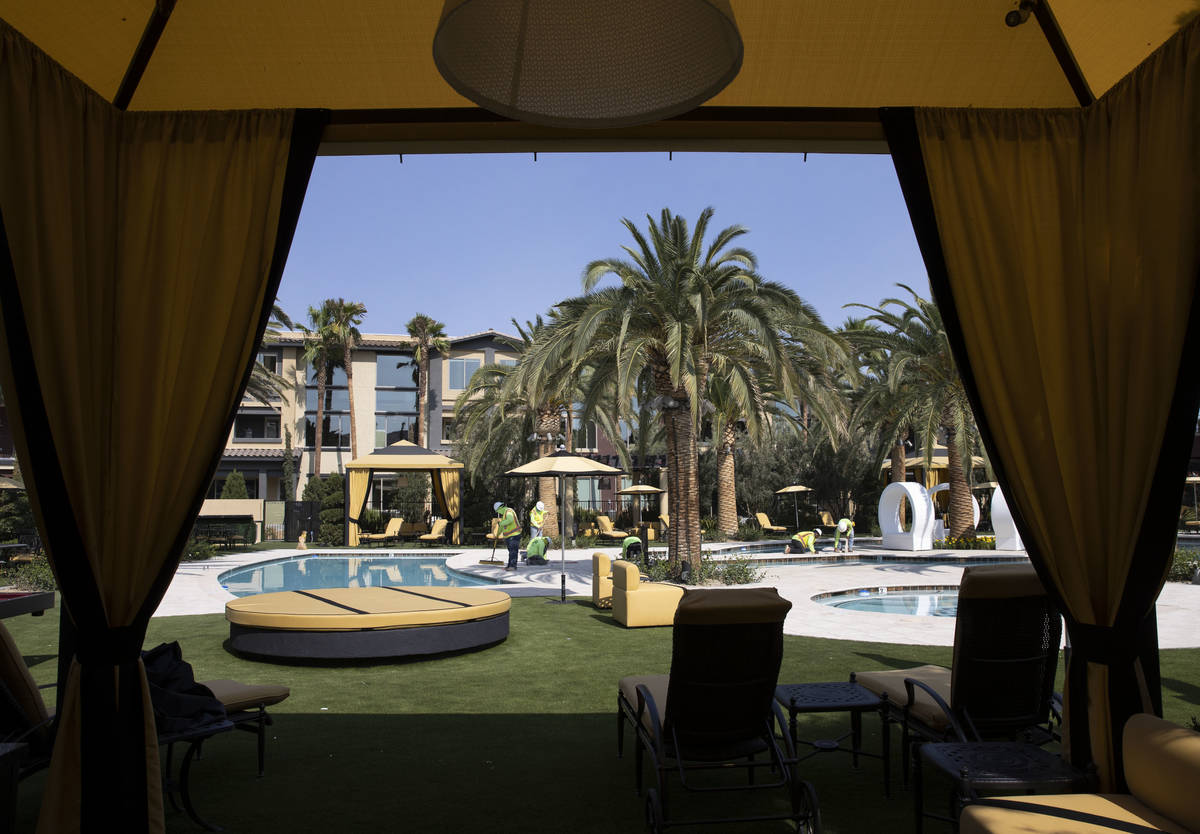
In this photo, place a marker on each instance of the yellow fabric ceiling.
(376, 54)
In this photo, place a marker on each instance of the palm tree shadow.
(1188, 691)
(890, 661)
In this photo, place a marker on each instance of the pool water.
(925, 602)
(302, 573)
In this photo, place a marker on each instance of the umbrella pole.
(562, 489)
(796, 510)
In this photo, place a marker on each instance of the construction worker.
(804, 539)
(536, 516)
(509, 529)
(845, 527)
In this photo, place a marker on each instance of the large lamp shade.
(588, 63)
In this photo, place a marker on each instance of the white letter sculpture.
(920, 535)
(974, 509)
(1007, 537)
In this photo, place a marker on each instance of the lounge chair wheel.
(654, 812)
(804, 806)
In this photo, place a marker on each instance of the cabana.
(154, 156)
(404, 457)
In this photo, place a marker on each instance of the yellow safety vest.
(536, 516)
(509, 526)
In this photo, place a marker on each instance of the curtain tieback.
(1104, 644)
(112, 646)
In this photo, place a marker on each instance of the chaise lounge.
(607, 531)
(437, 533)
(391, 533)
(765, 523)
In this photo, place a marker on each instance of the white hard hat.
(816, 531)
(541, 506)
(844, 525)
(497, 505)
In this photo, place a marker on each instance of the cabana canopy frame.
(404, 457)
(813, 79)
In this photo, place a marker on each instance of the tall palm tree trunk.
(350, 391)
(899, 476)
(962, 519)
(319, 433)
(727, 520)
(683, 487)
(422, 394)
(547, 488)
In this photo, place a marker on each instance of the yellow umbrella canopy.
(794, 490)
(640, 489)
(939, 460)
(563, 465)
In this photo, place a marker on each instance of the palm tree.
(508, 412)
(682, 308)
(265, 384)
(318, 353)
(430, 335)
(927, 390)
(344, 318)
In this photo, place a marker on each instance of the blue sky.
(476, 240)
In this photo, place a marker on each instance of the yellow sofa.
(602, 585)
(1162, 768)
(636, 603)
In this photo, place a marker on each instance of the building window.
(336, 379)
(392, 428)
(335, 400)
(395, 370)
(218, 483)
(508, 363)
(334, 435)
(396, 401)
(447, 429)
(587, 493)
(271, 359)
(585, 435)
(461, 371)
(256, 427)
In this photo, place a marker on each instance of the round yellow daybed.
(337, 623)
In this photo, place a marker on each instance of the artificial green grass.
(517, 737)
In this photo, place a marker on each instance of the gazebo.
(154, 156)
(404, 456)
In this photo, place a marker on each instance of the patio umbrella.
(795, 490)
(639, 489)
(563, 465)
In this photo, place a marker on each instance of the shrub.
(660, 570)
(198, 550)
(738, 572)
(749, 532)
(1183, 565)
(234, 486)
(372, 521)
(966, 543)
(16, 516)
(29, 576)
(333, 511)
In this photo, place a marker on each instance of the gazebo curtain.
(447, 492)
(358, 490)
(139, 257)
(1062, 248)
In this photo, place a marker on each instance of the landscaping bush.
(234, 486)
(29, 576)
(16, 516)
(737, 572)
(749, 532)
(966, 543)
(198, 549)
(330, 491)
(372, 521)
(1183, 565)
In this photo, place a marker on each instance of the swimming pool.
(302, 573)
(924, 601)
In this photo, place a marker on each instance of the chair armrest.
(910, 683)
(646, 703)
(789, 747)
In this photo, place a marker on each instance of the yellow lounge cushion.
(1162, 768)
(15, 677)
(924, 709)
(237, 696)
(602, 583)
(657, 684)
(354, 609)
(977, 819)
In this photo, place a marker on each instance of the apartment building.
(385, 404)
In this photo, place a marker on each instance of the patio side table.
(837, 696)
(992, 767)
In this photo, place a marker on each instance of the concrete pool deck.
(195, 589)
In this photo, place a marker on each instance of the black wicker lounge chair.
(715, 716)
(1006, 640)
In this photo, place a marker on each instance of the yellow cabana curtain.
(1062, 248)
(358, 484)
(139, 257)
(448, 494)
